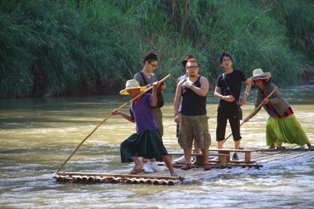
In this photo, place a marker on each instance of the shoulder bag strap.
(223, 77)
(145, 82)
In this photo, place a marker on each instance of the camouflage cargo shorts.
(194, 127)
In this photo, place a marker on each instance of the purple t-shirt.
(143, 114)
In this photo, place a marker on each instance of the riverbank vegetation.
(72, 47)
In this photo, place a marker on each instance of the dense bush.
(51, 48)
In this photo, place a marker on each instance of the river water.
(37, 135)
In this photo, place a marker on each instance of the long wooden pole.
(162, 80)
(253, 112)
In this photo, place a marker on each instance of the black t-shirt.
(233, 80)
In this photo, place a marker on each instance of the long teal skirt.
(285, 130)
(147, 144)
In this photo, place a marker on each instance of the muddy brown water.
(38, 135)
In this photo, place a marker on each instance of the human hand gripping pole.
(146, 90)
(253, 112)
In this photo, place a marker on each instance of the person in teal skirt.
(147, 141)
(282, 126)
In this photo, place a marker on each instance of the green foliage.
(52, 48)
(298, 17)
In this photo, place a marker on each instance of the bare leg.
(167, 160)
(138, 164)
(187, 154)
(205, 152)
(236, 145)
(219, 144)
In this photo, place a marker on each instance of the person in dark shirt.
(193, 117)
(228, 89)
(181, 78)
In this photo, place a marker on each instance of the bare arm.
(228, 98)
(256, 110)
(118, 112)
(177, 101)
(202, 90)
(154, 94)
(247, 91)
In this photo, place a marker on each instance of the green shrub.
(52, 48)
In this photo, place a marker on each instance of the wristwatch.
(247, 93)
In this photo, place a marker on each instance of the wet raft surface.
(260, 158)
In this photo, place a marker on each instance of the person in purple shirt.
(146, 142)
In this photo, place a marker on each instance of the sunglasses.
(192, 67)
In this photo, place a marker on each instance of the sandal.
(207, 167)
(186, 166)
(174, 174)
(136, 171)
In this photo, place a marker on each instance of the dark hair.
(225, 54)
(187, 57)
(265, 81)
(150, 56)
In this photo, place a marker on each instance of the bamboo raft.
(92, 178)
(260, 158)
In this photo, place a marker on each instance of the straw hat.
(131, 84)
(259, 74)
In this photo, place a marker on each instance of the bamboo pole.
(253, 112)
(146, 90)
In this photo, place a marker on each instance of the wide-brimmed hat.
(131, 84)
(259, 74)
